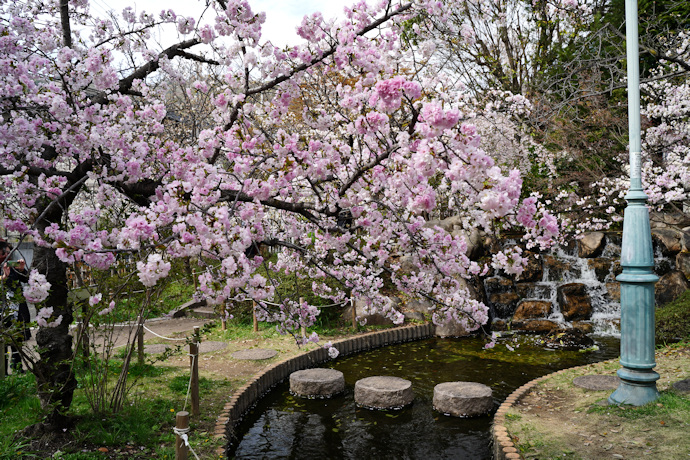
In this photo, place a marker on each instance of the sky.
(282, 16)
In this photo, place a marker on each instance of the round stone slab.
(597, 382)
(255, 354)
(683, 386)
(383, 392)
(319, 382)
(463, 399)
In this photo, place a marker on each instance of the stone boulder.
(454, 226)
(614, 291)
(373, 319)
(533, 290)
(498, 285)
(670, 287)
(557, 269)
(591, 245)
(504, 304)
(451, 330)
(529, 309)
(683, 263)
(601, 267)
(534, 270)
(535, 326)
(669, 240)
(574, 301)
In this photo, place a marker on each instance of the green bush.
(673, 320)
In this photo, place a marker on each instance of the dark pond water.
(284, 426)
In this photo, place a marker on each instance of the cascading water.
(563, 266)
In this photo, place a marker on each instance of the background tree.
(84, 109)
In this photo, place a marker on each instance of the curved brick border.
(247, 396)
(504, 448)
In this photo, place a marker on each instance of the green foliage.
(180, 383)
(673, 320)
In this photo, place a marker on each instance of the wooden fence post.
(354, 313)
(140, 339)
(194, 362)
(256, 322)
(181, 423)
(3, 359)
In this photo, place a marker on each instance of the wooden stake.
(3, 359)
(140, 339)
(181, 423)
(256, 322)
(354, 313)
(194, 363)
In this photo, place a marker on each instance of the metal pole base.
(637, 387)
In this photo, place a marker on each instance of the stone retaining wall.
(248, 395)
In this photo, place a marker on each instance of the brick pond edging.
(249, 394)
(504, 448)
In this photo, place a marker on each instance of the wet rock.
(383, 392)
(499, 325)
(583, 326)
(669, 240)
(663, 266)
(670, 287)
(463, 399)
(504, 304)
(614, 291)
(533, 290)
(536, 326)
(574, 301)
(601, 267)
(685, 242)
(529, 309)
(591, 245)
(557, 269)
(571, 339)
(533, 270)
(498, 285)
(683, 263)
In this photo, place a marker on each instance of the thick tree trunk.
(54, 374)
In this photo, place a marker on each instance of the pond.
(285, 426)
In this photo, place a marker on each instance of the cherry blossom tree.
(331, 151)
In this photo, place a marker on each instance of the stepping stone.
(463, 399)
(255, 354)
(597, 382)
(319, 382)
(383, 392)
(683, 386)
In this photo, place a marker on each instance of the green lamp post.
(638, 379)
